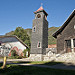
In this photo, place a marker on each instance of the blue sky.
(14, 13)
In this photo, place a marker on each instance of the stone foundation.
(36, 57)
(66, 57)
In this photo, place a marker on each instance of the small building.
(11, 43)
(65, 35)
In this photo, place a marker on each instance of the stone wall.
(54, 50)
(40, 57)
(66, 57)
(35, 57)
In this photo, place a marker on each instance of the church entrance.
(70, 45)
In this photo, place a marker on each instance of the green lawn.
(39, 62)
(29, 70)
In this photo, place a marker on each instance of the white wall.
(13, 42)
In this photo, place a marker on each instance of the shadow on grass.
(61, 65)
(33, 70)
(51, 64)
(30, 70)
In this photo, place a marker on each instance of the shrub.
(18, 57)
(15, 57)
(13, 53)
(25, 50)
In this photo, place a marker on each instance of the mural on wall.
(5, 50)
(19, 52)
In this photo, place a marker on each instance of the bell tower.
(39, 37)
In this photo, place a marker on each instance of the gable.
(64, 25)
(69, 30)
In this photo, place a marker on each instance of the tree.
(22, 34)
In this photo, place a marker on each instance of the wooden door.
(68, 46)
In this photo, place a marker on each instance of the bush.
(25, 50)
(15, 57)
(19, 57)
(13, 53)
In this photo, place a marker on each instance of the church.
(66, 35)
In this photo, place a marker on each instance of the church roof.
(64, 25)
(3, 36)
(41, 9)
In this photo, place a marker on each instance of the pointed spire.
(41, 8)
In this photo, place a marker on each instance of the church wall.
(66, 34)
(37, 36)
(45, 36)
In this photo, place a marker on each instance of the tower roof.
(40, 9)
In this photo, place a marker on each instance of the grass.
(39, 62)
(29, 70)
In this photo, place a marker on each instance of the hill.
(51, 39)
(51, 30)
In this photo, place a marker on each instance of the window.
(74, 42)
(74, 26)
(38, 16)
(39, 45)
(0, 43)
(68, 43)
(34, 29)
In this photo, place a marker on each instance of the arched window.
(34, 29)
(39, 45)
